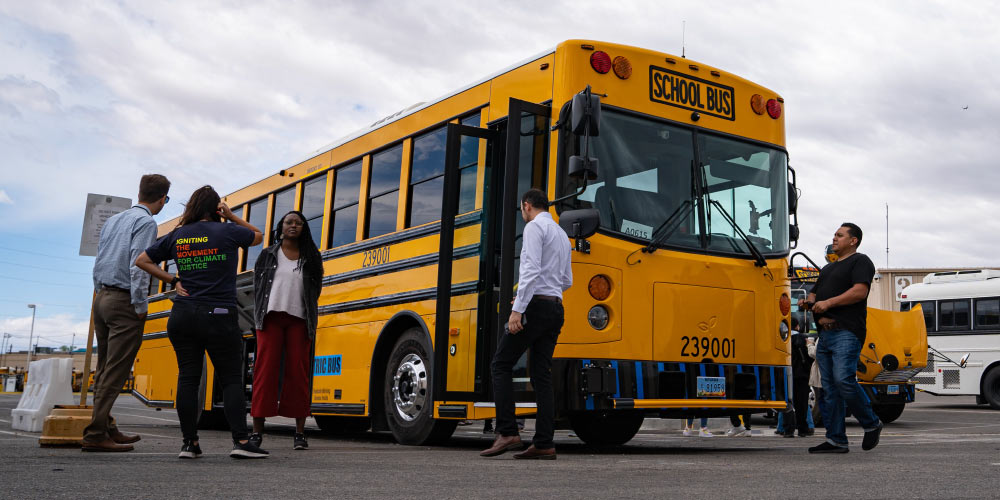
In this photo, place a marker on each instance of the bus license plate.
(892, 389)
(711, 387)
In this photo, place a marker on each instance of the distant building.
(889, 283)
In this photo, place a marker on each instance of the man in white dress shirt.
(534, 324)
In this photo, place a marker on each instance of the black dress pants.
(543, 321)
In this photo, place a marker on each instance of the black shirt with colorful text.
(205, 254)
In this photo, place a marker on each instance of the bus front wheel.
(606, 430)
(888, 413)
(991, 387)
(407, 401)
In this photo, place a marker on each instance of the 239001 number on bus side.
(708, 347)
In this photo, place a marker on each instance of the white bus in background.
(962, 313)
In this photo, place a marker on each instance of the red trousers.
(285, 336)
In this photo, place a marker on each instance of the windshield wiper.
(676, 215)
(758, 257)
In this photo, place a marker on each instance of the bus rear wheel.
(888, 413)
(991, 387)
(342, 426)
(611, 429)
(407, 401)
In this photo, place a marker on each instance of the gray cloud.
(94, 95)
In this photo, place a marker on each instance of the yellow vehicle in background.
(669, 175)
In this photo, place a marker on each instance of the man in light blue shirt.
(534, 323)
(120, 308)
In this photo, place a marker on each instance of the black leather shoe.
(826, 447)
(871, 438)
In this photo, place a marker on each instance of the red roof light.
(773, 109)
(600, 61)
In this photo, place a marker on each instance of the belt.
(114, 288)
(550, 298)
(832, 326)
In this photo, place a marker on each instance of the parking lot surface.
(939, 448)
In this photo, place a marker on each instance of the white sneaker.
(735, 431)
(687, 432)
(704, 433)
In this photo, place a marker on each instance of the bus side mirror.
(793, 199)
(585, 114)
(964, 360)
(582, 166)
(793, 232)
(580, 224)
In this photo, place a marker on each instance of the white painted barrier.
(48, 385)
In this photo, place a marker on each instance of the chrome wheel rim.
(409, 387)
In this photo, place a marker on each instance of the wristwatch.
(175, 280)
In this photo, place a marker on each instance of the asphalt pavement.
(941, 447)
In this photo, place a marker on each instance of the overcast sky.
(886, 103)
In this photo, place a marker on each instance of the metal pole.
(85, 376)
(32, 334)
(3, 352)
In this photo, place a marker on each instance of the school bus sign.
(687, 92)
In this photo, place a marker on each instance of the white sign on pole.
(100, 208)
(901, 283)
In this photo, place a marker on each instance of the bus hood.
(895, 348)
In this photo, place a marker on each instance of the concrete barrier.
(48, 385)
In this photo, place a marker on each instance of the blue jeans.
(837, 354)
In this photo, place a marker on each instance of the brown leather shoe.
(121, 438)
(106, 445)
(533, 453)
(501, 445)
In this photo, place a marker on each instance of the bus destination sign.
(687, 92)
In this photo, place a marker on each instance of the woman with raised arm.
(287, 280)
(204, 314)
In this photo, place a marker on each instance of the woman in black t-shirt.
(204, 315)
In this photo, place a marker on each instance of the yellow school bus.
(669, 176)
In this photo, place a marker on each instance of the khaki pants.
(119, 334)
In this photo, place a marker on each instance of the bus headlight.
(598, 317)
(783, 330)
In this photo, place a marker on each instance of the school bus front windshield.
(651, 170)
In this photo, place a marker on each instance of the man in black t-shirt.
(839, 302)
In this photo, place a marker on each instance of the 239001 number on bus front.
(708, 347)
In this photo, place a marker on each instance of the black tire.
(343, 426)
(411, 418)
(888, 413)
(991, 387)
(213, 420)
(611, 429)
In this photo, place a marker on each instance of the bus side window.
(258, 218)
(954, 314)
(284, 202)
(427, 177)
(929, 314)
(468, 162)
(346, 192)
(313, 194)
(987, 314)
(172, 269)
(383, 192)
